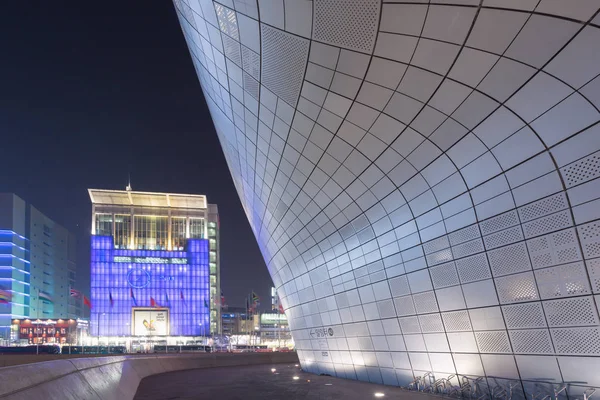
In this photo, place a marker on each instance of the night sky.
(91, 91)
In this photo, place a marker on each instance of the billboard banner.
(150, 322)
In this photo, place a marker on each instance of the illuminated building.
(40, 331)
(155, 261)
(422, 178)
(36, 255)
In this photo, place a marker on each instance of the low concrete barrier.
(7, 360)
(114, 377)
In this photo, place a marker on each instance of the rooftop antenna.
(128, 187)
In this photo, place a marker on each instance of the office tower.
(154, 259)
(37, 264)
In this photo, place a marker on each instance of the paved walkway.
(259, 383)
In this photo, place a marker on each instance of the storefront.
(49, 331)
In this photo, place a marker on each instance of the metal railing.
(478, 388)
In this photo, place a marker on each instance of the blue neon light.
(4, 232)
(13, 256)
(17, 269)
(7, 244)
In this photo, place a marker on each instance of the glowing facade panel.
(124, 279)
(422, 179)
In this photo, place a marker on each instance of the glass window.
(122, 231)
(196, 228)
(104, 224)
(151, 233)
(178, 233)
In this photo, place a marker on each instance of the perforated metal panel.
(457, 321)
(528, 315)
(503, 238)
(431, 323)
(562, 281)
(580, 311)
(227, 21)
(350, 24)
(509, 260)
(557, 248)
(594, 271)
(589, 234)
(467, 249)
(435, 245)
(444, 275)
(439, 257)
(404, 305)
(474, 268)
(464, 235)
(499, 223)
(251, 85)
(531, 341)
(425, 302)
(582, 170)
(516, 288)
(232, 50)
(548, 224)
(576, 341)
(251, 62)
(543, 207)
(493, 342)
(284, 58)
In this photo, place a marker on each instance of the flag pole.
(253, 312)
(247, 312)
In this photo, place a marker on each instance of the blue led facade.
(14, 278)
(123, 279)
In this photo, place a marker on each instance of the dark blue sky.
(93, 91)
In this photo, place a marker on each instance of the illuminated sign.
(150, 321)
(150, 260)
(272, 318)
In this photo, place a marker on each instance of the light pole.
(98, 325)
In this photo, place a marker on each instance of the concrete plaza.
(260, 383)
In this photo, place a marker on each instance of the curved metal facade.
(422, 179)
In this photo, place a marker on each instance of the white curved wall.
(422, 179)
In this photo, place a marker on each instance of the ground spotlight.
(296, 378)
(273, 370)
(379, 394)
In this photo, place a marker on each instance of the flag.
(132, 296)
(205, 303)
(222, 299)
(255, 301)
(181, 297)
(45, 296)
(75, 293)
(87, 302)
(5, 296)
(166, 299)
(281, 311)
(112, 303)
(153, 302)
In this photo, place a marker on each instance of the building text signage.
(150, 260)
(321, 332)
